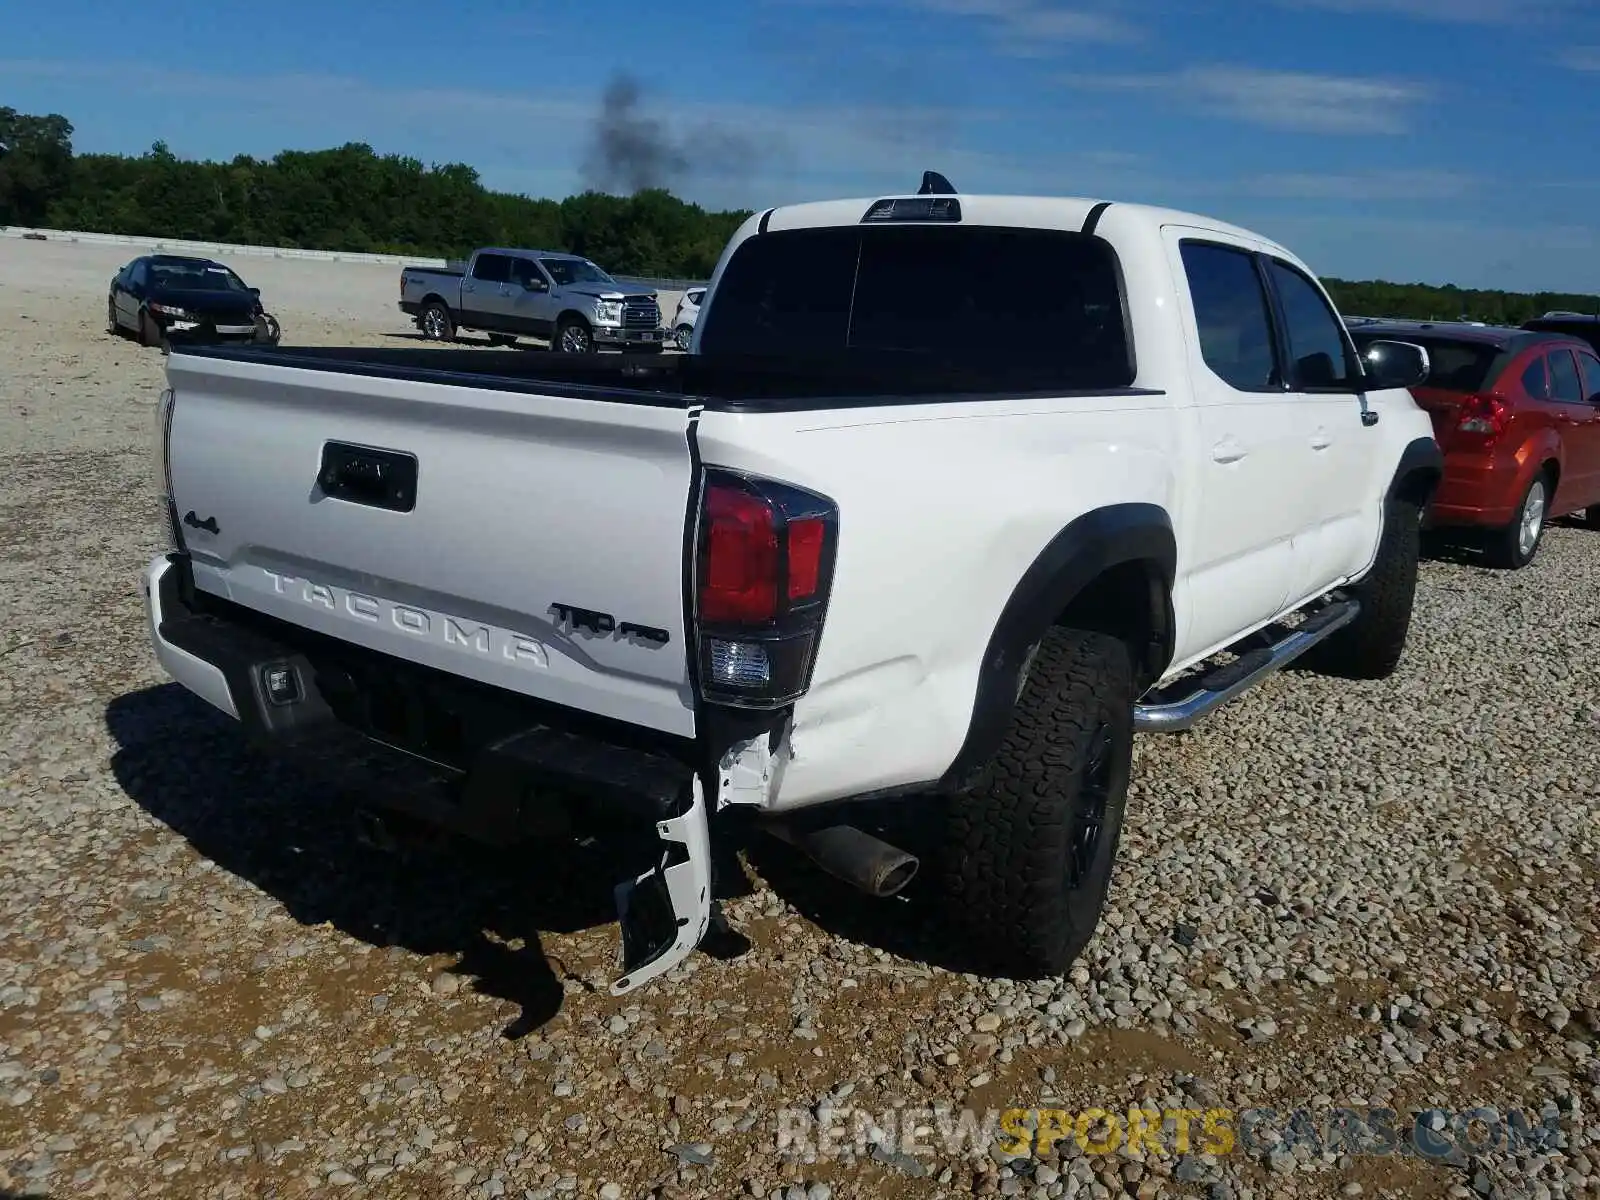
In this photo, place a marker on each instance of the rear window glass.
(1452, 366)
(1043, 308)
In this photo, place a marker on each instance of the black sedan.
(168, 297)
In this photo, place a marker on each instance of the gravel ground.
(1333, 894)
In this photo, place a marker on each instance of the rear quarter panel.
(942, 508)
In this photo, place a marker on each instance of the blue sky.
(1435, 140)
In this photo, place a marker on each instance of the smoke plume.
(630, 150)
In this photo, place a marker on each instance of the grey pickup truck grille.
(641, 314)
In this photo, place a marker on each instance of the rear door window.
(1536, 380)
(1040, 305)
(492, 268)
(1564, 384)
(1232, 317)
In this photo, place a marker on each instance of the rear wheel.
(436, 323)
(681, 336)
(1514, 545)
(113, 326)
(1029, 849)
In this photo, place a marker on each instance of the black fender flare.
(1418, 473)
(1073, 559)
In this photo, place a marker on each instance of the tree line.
(351, 198)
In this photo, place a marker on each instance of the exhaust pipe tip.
(895, 877)
(854, 856)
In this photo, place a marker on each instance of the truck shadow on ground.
(268, 820)
(911, 925)
(277, 823)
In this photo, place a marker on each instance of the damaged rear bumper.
(488, 764)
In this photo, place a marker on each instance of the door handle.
(1320, 440)
(1228, 450)
(467, 287)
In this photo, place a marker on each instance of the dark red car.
(1517, 414)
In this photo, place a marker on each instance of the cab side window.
(1231, 315)
(1319, 354)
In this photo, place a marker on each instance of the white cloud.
(1582, 58)
(1295, 100)
(1020, 28)
(1361, 185)
(1478, 12)
(1024, 25)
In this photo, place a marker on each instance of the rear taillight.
(1482, 417)
(763, 571)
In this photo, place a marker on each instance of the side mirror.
(1395, 365)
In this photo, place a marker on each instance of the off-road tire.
(1370, 646)
(1012, 884)
(1505, 550)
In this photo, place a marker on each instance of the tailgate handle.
(368, 476)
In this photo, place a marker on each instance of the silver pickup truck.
(539, 293)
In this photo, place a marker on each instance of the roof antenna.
(935, 184)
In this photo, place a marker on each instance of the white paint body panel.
(522, 502)
(528, 500)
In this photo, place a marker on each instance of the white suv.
(684, 318)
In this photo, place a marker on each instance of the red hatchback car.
(1517, 414)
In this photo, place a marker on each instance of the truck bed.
(724, 383)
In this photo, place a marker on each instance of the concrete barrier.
(184, 246)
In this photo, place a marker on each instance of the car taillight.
(764, 566)
(1482, 416)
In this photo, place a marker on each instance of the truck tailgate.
(531, 542)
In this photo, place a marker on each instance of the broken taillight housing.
(763, 571)
(1482, 417)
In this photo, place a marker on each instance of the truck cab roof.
(1033, 212)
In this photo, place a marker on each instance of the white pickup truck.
(844, 551)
